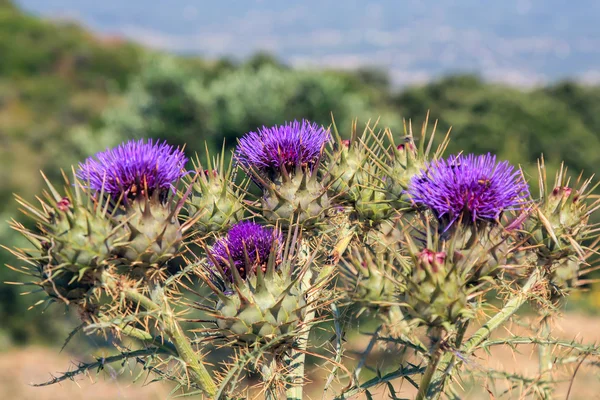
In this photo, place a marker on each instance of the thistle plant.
(227, 293)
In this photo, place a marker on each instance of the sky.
(521, 42)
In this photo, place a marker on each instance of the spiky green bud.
(75, 240)
(402, 159)
(214, 204)
(374, 277)
(262, 308)
(437, 293)
(297, 198)
(152, 232)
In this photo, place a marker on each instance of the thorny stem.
(297, 357)
(198, 372)
(402, 372)
(146, 337)
(510, 308)
(297, 360)
(193, 363)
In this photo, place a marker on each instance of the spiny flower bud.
(468, 189)
(437, 292)
(247, 245)
(75, 241)
(558, 225)
(374, 275)
(403, 159)
(260, 295)
(283, 160)
(348, 167)
(214, 204)
(140, 177)
(356, 180)
(432, 260)
(564, 211)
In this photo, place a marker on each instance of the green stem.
(267, 376)
(509, 309)
(545, 354)
(402, 372)
(296, 362)
(146, 337)
(297, 357)
(425, 383)
(544, 349)
(193, 363)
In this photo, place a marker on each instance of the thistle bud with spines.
(374, 276)
(284, 162)
(401, 160)
(559, 224)
(75, 241)
(356, 180)
(215, 202)
(139, 178)
(260, 287)
(437, 291)
(348, 163)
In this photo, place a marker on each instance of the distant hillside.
(53, 77)
(522, 42)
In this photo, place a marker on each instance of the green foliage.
(172, 99)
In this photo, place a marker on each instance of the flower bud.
(214, 204)
(260, 296)
(283, 161)
(140, 178)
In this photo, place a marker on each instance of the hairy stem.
(509, 309)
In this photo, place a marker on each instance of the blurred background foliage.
(65, 94)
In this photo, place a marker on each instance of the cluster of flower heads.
(134, 167)
(246, 243)
(469, 187)
(283, 147)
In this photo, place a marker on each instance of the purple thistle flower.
(284, 146)
(469, 187)
(246, 241)
(133, 166)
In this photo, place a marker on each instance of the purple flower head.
(284, 146)
(131, 167)
(246, 242)
(469, 187)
